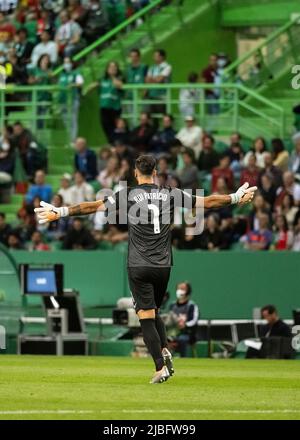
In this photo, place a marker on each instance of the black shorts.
(148, 286)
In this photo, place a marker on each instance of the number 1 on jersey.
(155, 211)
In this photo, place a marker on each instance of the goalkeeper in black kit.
(149, 211)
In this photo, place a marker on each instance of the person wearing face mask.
(184, 315)
(70, 78)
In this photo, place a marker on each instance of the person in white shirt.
(159, 73)
(81, 191)
(65, 189)
(45, 47)
(294, 162)
(189, 98)
(290, 186)
(68, 35)
(259, 149)
(191, 135)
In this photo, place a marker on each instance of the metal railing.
(270, 59)
(116, 33)
(238, 3)
(229, 110)
(37, 107)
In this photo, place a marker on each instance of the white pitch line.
(151, 411)
(211, 411)
(35, 411)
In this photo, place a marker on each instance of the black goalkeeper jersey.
(149, 212)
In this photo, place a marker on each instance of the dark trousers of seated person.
(108, 117)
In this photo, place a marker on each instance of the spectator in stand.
(259, 148)
(7, 32)
(5, 229)
(209, 157)
(268, 190)
(81, 191)
(110, 98)
(45, 24)
(85, 159)
(39, 188)
(208, 76)
(189, 98)
(57, 230)
(189, 173)
(260, 206)
(296, 240)
(24, 141)
(68, 35)
(142, 134)
(78, 237)
(280, 155)
(294, 162)
(116, 12)
(288, 209)
(22, 47)
(110, 176)
(121, 132)
(251, 172)
(7, 156)
(70, 78)
(163, 165)
(45, 47)
(65, 190)
(290, 186)
(14, 242)
(123, 151)
(223, 170)
(236, 154)
(163, 138)
(191, 135)
(94, 21)
(136, 71)
(104, 155)
(159, 73)
(42, 75)
(270, 169)
(282, 236)
(260, 239)
(16, 74)
(127, 173)
(212, 238)
(221, 189)
(37, 243)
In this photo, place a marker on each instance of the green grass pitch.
(36, 387)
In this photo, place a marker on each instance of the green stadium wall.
(225, 284)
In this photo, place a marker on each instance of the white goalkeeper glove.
(49, 213)
(244, 189)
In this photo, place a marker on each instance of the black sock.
(152, 341)
(161, 330)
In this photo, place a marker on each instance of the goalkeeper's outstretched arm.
(243, 196)
(49, 213)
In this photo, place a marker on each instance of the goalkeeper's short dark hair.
(145, 164)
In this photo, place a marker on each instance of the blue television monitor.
(42, 280)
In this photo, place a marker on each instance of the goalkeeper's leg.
(153, 344)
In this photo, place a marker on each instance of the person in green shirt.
(110, 98)
(136, 71)
(70, 78)
(41, 75)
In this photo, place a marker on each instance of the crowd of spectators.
(184, 160)
(38, 35)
